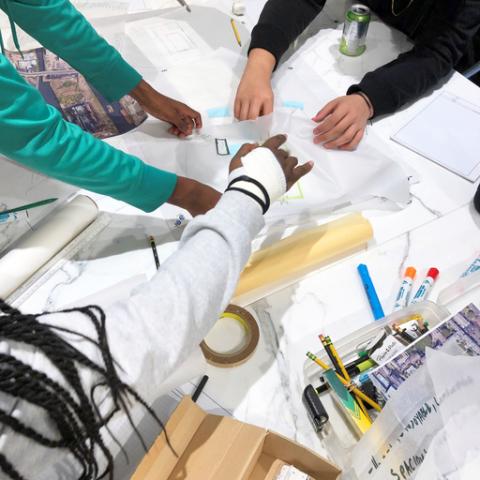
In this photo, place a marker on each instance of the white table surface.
(439, 228)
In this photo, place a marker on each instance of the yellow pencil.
(355, 390)
(346, 376)
(236, 32)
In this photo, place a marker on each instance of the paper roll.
(38, 247)
(285, 262)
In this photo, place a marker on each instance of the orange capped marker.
(402, 296)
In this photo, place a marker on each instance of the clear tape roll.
(38, 247)
(240, 354)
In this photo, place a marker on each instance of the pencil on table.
(236, 32)
(154, 251)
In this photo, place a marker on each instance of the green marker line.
(29, 206)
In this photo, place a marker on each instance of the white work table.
(438, 228)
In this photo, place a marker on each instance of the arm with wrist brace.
(261, 177)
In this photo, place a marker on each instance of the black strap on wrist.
(250, 194)
(265, 205)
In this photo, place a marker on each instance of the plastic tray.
(349, 346)
(338, 437)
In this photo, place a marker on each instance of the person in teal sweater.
(35, 135)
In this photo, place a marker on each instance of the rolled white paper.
(38, 247)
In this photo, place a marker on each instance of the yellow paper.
(288, 260)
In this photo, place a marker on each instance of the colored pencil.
(29, 206)
(236, 32)
(355, 390)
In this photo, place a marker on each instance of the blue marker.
(372, 296)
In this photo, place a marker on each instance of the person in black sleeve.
(443, 31)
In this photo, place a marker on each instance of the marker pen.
(373, 300)
(363, 357)
(426, 286)
(402, 296)
(355, 370)
(402, 333)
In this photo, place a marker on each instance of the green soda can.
(355, 30)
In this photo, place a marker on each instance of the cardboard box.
(276, 469)
(212, 447)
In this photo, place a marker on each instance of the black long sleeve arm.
(281, 22)
(440, 42)
(439, 46)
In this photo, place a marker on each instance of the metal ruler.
(41, 276)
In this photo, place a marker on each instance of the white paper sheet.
(135, 6)
(205, 83)
(446, 132)
(338, 178)
(166, 42)
(207, 79)
(101, 8)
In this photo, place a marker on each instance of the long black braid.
(74, 413)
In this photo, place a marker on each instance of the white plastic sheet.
(338, 178)
(428, 429)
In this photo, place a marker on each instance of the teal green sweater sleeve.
(34, 134)
(62, 29)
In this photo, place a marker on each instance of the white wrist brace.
(260, 169)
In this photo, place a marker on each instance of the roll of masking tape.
(216, 348)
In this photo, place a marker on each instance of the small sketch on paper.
(295, 193)
(221, 145)
(172, 38)
(167, 42)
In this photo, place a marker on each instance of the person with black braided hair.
(66, 376)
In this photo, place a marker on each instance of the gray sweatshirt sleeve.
(150, 333)
(164, 319)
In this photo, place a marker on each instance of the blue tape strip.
(234, 148)
(219, 112)
(293, 104)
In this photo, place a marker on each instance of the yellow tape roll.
(245, 351)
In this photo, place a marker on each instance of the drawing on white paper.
(166, 42)
(295, 193)
(172, 38)
(338, 178)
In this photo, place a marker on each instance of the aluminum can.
(355, 28)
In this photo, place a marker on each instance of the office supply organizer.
(339, 439)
